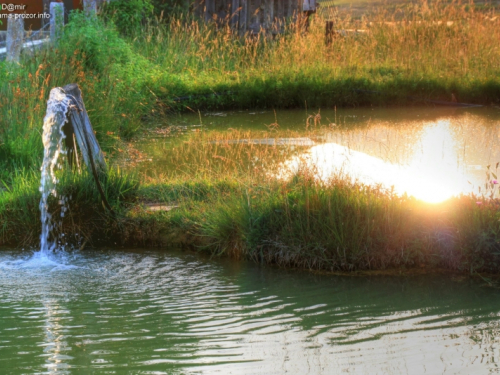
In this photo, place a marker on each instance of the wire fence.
(40, 34)
(33, 40)
(30, 36)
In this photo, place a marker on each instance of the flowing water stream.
(53, 137)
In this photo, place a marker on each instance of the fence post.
(15, 38)
(268, 15)
(90, 7)
(56, 21)
(243, 16)
(209, 9)
(198, 8)
(235, 13)
(329, 32)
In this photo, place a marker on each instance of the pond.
(148, 312)
(166, 312)
(430, 153)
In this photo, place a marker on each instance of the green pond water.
(152, 312)
(430, 153)
(168, 312)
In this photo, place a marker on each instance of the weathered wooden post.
(198, 8)
(209, 9)
(243, 16)
(235, 13)
(90, 7)
(79, 125)
(329, 32)
(254, 16)
(56, 21)
(269, 15)
(15, 38)
(80, 129)
(308, 8)
(280, 16)
(290, 10)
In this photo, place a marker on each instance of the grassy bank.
(391, 63)
(337, 226)
(218, 197)
(226, 202)
(432, 52)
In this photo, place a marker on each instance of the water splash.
(60, 261)
(53, 136)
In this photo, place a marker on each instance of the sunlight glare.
(433, 174)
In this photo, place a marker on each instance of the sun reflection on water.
(434, 171)
(436, 160)
(54, 341)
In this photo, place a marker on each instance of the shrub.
(97, 45)
(128, 15)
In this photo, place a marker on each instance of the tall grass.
(334, 226)
(420, 50)
(411, 52)
(227, 202)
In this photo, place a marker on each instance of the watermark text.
(26, 16)
(12, 7)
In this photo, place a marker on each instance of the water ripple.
(155, 313)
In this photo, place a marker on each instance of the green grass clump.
(86, 219)
(90, 54)
(337, 226)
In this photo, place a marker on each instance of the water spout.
(53, 136)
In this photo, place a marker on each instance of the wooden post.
(56, 21)
(250, 11)
(198, 8)
(243, 16)
(268, 14)
(308, 8)
(235, 13)
(280, 16)
(209, 9)
(15, 38)
(329, 32)
(289, 8)
(255, 15)
(90, 7)
(79, 124)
